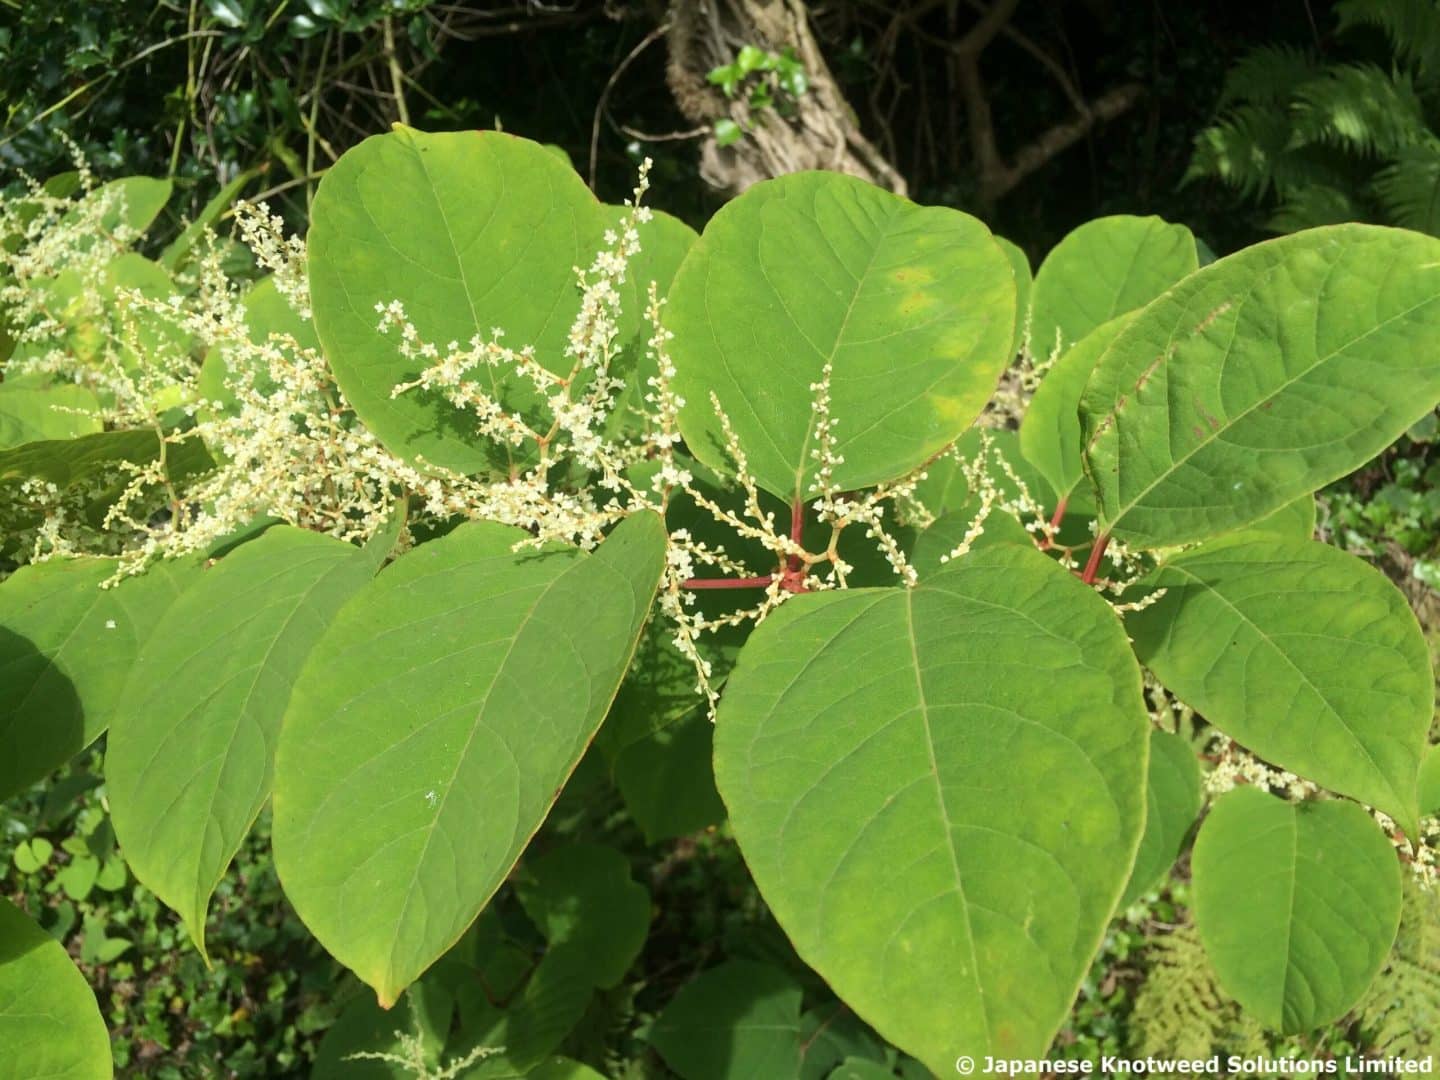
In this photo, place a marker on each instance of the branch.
(995, 176)
(1106, 107)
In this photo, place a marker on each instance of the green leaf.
(1050, 432)
(658, 741)
(434, 725)
(913, 306)
(28, 414)
(735, 1021)
(1306, 655)
(1024, 280)
(1172, 799)
(1294, 519)
(1105, 268)
(191, 750)
(471, 231)
(267, 312)
(939, 793)
(664, 241)
(66, 649)
(32, 855)
(424, 1012)
(71, 461)
(947, 531)
(50, 1024)
(582, 898)
(177, 252)
(1261, 378)
(1297, 906)
(1430, 783)
(727, 131)
(78, 878)
(139, 200)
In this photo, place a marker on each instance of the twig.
(645, 42)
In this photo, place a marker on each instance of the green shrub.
(485, 474)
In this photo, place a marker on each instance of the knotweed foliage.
(962, 634)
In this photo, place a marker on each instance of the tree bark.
(822, 134)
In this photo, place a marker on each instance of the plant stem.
(1096, 554)
(1059, 515)
(728, 582)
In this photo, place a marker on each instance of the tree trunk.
(823, 133)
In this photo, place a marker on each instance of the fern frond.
(1360, 107)
(1268, 75)
(1413, 27)
(1307, 205)
(1181, 1012)
(1243, 149)
(1408, 189)
(1401, 1010)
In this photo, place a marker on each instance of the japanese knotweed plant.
(959, 706)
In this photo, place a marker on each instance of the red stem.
(1059, 514)
(1096, 554)
(727, 582)
(1046, 542)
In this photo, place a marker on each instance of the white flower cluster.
(840, 509)
(284, 256)
(1233, 765)
(281, 443)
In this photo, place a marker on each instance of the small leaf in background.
(1297, 905)
(228, 13)
(78, 878)
(728, 132)
(750, 58)
(735, 1021)
(582, 898)
(1024, 282)
(1050, 435)
(31, 856)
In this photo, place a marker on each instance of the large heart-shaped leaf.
(940, 794)
(66, 649)
(434, 725)
(1306, 655)
(912, 306)
(1297, 905)
(1105, 268)
(471, 231)
(191, 748)
(1260, 378)
(50, 1024)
